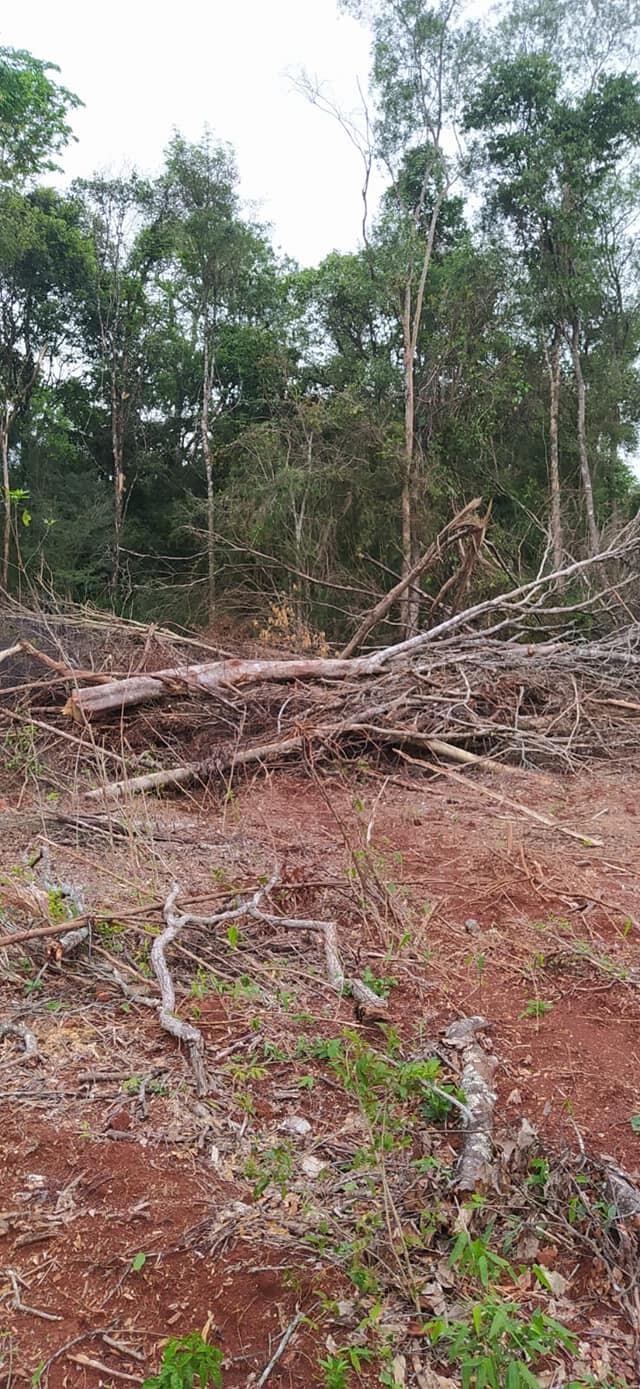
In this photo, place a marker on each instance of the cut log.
(210, 677)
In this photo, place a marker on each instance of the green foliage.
(34, 109)
(121, 301)
(495, 1348)
(188, 1363)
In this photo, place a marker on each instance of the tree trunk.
(554, 454)
(6, 498)
(117, 449)
(411, 322)
(208, 467)
(408, 606)
(585, 473)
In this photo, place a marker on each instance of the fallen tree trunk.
(268, 752)
(211, 677)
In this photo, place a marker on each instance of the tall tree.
(126, 223)
(423, 57)
(219, 264)
(551, 157)
(39, 251)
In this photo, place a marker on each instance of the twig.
(504, 800)
(280, 1349)
(21, 1306)
(99, 1365)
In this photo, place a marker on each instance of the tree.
(550, 158)
(34, 109)
(43, 270)
(125, 221)
(220, 265)
(423, 57)
(39, 248)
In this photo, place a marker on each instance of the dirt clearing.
(305, 1213)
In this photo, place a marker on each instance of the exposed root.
(368, 1005)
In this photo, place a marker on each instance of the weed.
(476, 1258)
(494, 1348)
(337, 1368)
(186, 1362)
(379, 984)
(273, 1167)
(539, 1173)
(536, 1008)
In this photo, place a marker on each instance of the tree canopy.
(194, 426)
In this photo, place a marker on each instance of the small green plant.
(539, 1173)
(476, 1258)
(379, 984)
(188, 1363)
(494, 1348)
(138, 1262)
(337, 1368)
(273, 1167)
(536, 1008)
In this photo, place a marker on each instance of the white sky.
(143, 68)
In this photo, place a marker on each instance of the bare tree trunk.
(208, 467)
(6, 498)
(407, 608)
(117, 448)
(411, 322)
(585, 473)
(554, 453)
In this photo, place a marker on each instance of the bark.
(6, 498)
(208, 678)
(585, 472)
(208, 467)
(554, 457)
(408, 605)
(118, 409)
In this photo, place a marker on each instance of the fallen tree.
(505, 679)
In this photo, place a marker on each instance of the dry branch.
(525, 810)
(368, 1004)
(478, 1068)
(467, 522)
(28, 1039)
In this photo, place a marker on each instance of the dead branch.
(184, 1031)
(466, 522)
(28, 1039)
(506, 801)
(478, 1068)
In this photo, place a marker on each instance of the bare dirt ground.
(304, 1193)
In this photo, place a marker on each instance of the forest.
(194, 428)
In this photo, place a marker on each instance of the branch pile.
(506, 679)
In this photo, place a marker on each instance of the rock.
(296, 1126)
(311, 1166)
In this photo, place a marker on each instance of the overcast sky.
(143, 68)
